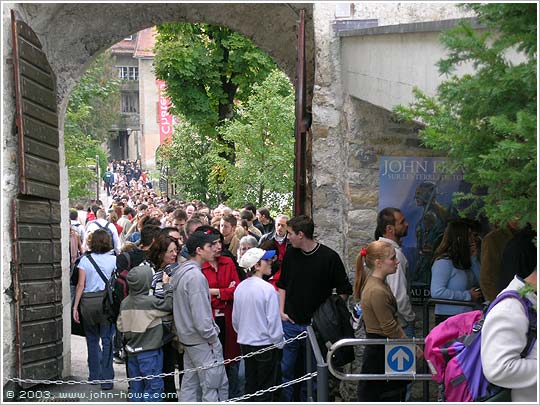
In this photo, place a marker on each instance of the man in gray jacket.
(195, 324)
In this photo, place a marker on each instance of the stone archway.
(72, 35)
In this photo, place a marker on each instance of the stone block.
(320, 131)
(360, 197)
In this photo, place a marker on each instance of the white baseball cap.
(253, 255)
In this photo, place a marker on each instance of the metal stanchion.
(312, 348)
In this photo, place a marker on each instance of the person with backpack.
(95, 271)
(108, 180)
(509, 357)
(140, 322)
(102, 223)
(488, 355)
(379, 309)
(256, 319)
(125, 261)
(455, 271)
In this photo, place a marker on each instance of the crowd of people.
(210, 284)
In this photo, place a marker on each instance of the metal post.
(309, 369)
(97, 177)
(425, 328)
(322, 367)
(322, 382)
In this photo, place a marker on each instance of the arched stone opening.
(72, 35)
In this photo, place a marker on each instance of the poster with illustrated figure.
(420, 189)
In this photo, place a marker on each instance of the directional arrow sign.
(399, 359)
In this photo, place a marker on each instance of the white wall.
(383, 69)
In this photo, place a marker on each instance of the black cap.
(199, 239)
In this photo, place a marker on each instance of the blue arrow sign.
(400, 359)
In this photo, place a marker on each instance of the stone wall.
(349, 134)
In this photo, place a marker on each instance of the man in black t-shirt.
(310, 271)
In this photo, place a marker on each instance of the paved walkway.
(79, 371)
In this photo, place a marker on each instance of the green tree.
(188, 156)
(486, 121)
(263, 137)
(207, 69)
(92, 109)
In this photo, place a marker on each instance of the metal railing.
(323, 365)
(389, 376)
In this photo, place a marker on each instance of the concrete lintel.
(427, 26)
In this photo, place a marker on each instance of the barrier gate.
(324, 366)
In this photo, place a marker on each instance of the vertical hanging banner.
(165, 119)
(420, 189)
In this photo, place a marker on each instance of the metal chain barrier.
(308, 376)
(300, 336)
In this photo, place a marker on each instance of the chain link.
(306, 377)
(300, 336)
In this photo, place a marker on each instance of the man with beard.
(391, 228)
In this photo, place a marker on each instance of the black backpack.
(120, 288)
(332, 322)
(106, 227)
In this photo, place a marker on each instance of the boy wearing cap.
(256, 319)
(195, 325)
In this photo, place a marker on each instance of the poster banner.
(165, 119)
(419, 188)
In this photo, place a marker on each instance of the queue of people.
(210, 284)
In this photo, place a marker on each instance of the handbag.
(106, 295)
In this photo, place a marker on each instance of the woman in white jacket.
(504, 336)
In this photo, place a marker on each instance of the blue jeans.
(289, 360)
(144, 364)
(100, 358)
(234, 379)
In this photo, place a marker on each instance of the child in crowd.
(140, 322)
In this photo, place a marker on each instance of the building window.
(130, 102)
(128, 72)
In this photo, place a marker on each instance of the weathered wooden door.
(36, 266)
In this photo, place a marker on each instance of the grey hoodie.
(141, 314)
(191, 306)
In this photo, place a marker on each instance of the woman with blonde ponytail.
(379, 309)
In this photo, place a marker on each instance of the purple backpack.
(452, 351)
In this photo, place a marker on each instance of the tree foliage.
(188, 156)
(263, 136)
(214, 77)
(263, 139)
(93, 107)
(486, 121)
(207, 69)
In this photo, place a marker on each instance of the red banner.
(165, 119)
